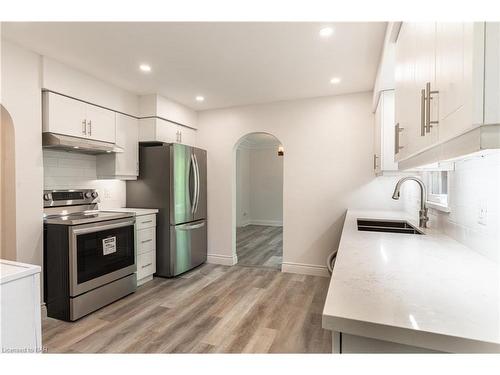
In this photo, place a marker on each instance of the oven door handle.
(96, 227)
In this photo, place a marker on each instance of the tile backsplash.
(71, 170)
(474, 195)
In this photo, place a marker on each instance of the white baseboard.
(305, 269)
(225, 260)
(270, 223)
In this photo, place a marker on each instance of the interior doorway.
(259, 201)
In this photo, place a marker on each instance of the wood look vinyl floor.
(212, 309)
(259, 246)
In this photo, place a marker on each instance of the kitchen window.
(437, 183)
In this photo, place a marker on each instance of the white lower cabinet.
(145, 239)
(21, 328)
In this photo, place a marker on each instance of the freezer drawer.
(188, 246)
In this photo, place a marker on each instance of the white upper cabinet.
(384, 146)
(101, 124)
(122, 165)
(156, 129)
(440, 83)
(67, 116)
(63, 115)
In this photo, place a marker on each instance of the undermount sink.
(392, 226)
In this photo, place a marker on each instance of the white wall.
(474, 184)
(243, 187)
(259, 186)
(328, 161)
(21, 97)
(70, 170)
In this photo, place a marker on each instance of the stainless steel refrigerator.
(173, 178)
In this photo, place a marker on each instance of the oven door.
(100, 253)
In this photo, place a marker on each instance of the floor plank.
(212, 309)
(260, 246)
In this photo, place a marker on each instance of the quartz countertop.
(10, 270)
(421, 290)
(136, 211)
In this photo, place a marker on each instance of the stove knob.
(94, 194)
(87, 195)
(46, 197)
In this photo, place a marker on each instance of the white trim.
(305, 269)
(270, 223)
(225, 260)
(439, 207)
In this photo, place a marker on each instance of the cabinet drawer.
(145, 221)
(146, 264)
(146, 240)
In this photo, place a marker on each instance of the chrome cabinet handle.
(375, 161)
(90, 128)
(147, 221)
(147, 265)
(429, 93)
(84, 127)
(423, 112)
(146, 241)
(397, 130)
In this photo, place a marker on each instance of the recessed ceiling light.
(335, 80)
(326, 32)
(145, 68)
(200, 98)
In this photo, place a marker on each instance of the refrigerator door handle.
(193, 202)
(190, 226)
(197, 174)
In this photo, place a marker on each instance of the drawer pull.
(147, 221)
(147, 265)
(145, 241)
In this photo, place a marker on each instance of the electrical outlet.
(107, 194)
(482, 214)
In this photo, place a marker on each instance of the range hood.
(76, 144)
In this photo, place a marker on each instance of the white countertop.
(136, 211)
(10, 270)
(422, 290)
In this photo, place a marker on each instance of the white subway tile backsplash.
(70, 170)
(474, 186)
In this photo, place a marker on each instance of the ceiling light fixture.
(200, 98)
(326, 32)
(335, 80)
(145, 68)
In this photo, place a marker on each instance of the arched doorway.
(7, 187)
(258, 201)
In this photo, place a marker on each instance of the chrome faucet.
(423, 218)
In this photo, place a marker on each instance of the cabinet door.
(166, 131)
(101, 124)
(387, 162)
(425, 76)
(454, 77)
(64, 115)
(377, 140)
(407, 106)
(187, 136)
(127, 137)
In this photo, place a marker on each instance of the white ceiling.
(228, 63)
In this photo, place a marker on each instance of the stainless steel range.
(89, 254)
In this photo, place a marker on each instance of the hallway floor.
(260, 246)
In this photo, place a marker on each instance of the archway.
(258, 201)
(7, 187)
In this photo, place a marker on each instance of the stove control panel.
(56, 198)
